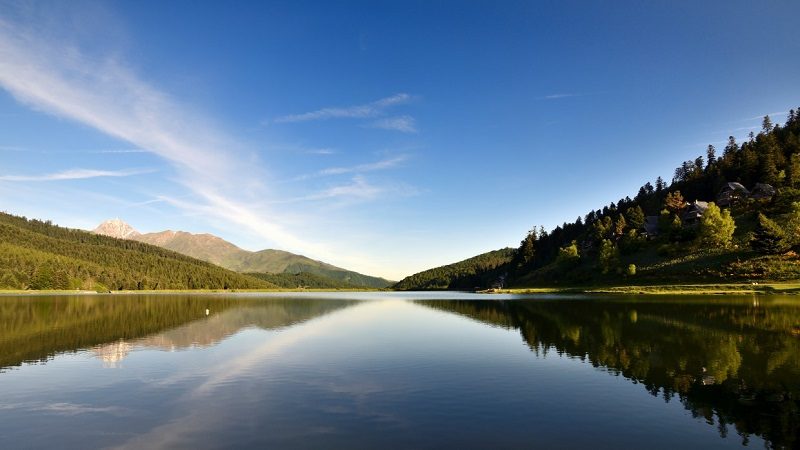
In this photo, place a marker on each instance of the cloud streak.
(56, 77)
(76, 174)
(364, 111)
(358, 189)
(558, 96)
(383, 164)
(404, 124)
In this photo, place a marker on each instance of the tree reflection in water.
(735, 362)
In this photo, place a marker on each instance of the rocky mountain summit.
(116, 228)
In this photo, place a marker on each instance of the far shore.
(671, 289)
(783, 288)
(172, 291)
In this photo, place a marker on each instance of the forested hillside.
(733, 216)
(39, 255)
(303, 280)
(216, 250)
(477, 271)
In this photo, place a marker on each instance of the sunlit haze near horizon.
(382, 137)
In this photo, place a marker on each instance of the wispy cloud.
(357, 189)
(761, 117)
(60, 152)
(364, 111)
(101, 92)
(119, 150)
(383, 164)
(320, 151)
(369, 167)
(562, 95)
(76, 174)
(405, 124)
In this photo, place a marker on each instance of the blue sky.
(384, 137)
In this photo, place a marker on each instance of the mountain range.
(216, 250)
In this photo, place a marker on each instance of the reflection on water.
(36, 328)
(298, 371)
(732, 362)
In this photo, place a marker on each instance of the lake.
(398, 370)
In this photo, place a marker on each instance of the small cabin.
(650, 226)
(762, 191)
(731, 193)
(694, 212)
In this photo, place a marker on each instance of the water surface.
(398, 371)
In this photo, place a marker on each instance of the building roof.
(695, 210)
(763, 190)
(734, 186)
(651, 225)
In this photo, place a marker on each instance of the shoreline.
(782, 288)
(174, 291)
(672, 289)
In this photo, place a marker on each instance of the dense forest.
(476, 271)
(732, 363)
(732, 215)
(302, 280)
(39, 255)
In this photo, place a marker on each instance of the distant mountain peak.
(116, 228)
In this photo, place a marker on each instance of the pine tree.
(711, 156)
(620, 226)
(766, 125)
(635, 217)
(674, 202)
(660, 185)
(793, 175)
(793, 226)
(769, 238)
(716, 227)
(527, 248)
(608, 255)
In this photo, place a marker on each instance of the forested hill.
(39, 255)
(477, 271)
(216, 250)
(303, 280)
(730, 215)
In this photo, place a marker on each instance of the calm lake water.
(398, 371)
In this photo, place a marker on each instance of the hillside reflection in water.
(397, 370)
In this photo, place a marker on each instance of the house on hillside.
(650, 226)
(731, 193)
(762, 191)
(694, 212)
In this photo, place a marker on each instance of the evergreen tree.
(793, 226)
(620, 226)
(568, 255)
(608, 255)
(793, 173)
(769, 237)
(674, 202)
(660, 185)
(766, 125)
(635, 217)
(716, 227)
(711, 156)
(527, 248)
